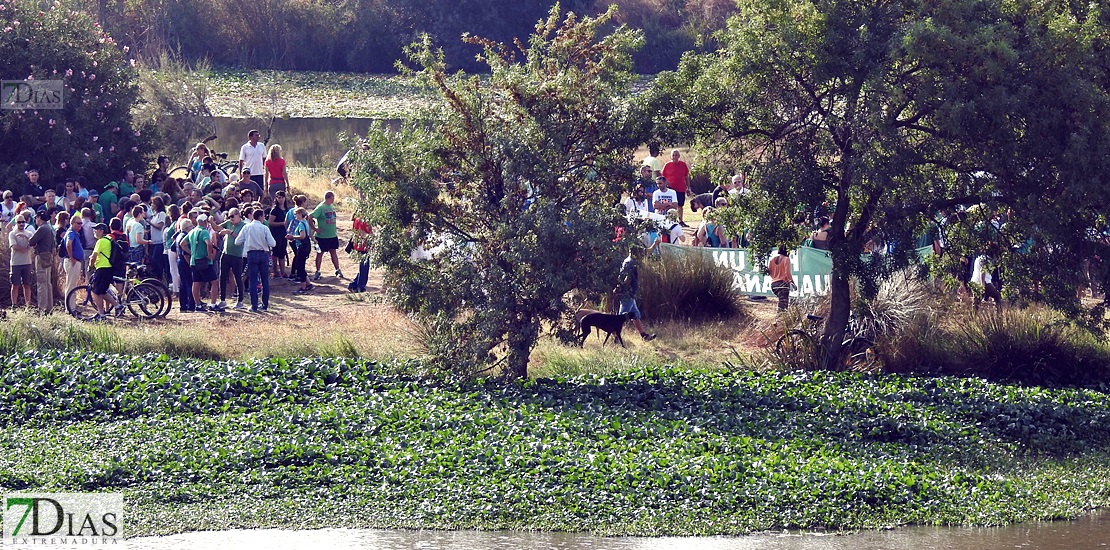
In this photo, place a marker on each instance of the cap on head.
(202, 218)
(100, 227)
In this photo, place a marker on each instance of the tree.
(93, 134)
(889, 111)
(509, 185)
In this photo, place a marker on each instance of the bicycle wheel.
(857, 354)
(79, 303)
(181, 172)
(797, 349)
(145, 300)
(167, 296)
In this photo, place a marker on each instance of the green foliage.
(94, 133)
(883, 113)
(317, 443)
(175, 103)
(504, 187)
(369, 35)
(678, 286)
(1018, 346)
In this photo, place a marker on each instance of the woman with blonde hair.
(196, 158)
(277, 176)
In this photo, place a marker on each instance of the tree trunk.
(520, 342)
(840, 308)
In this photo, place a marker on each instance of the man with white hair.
(676, 171)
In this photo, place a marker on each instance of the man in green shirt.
(201, 252)
(233, 260)
(108, 200)
(323, 220)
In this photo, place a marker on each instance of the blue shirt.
(72, 236)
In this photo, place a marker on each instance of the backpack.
(118, 256)
(666, 235)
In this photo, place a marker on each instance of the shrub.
(93, 134)
(1020, 346)
(687, 286)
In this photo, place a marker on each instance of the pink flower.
(138, 133)
(94, 63)
(52, 122)
(63, 166)
(86, 154)
(134, 149)
(131, 62)
(101, 150)
(30, 77)
(112, 149)
(96, 138)
(126, 49)
(92, 77)
(69, 72)
(116, 129)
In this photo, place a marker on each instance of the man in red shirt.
(676, 172)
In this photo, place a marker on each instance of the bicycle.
(223, 165)
(805, 348)
(149, 296)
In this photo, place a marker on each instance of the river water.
(312, 142)
(1089, 532)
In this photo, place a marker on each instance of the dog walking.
(628, 286)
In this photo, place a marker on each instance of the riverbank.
(198, 445)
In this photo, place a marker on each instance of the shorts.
(681, 198)
(206, 274)
(21, 274)
(628, 305)
(327, 244)
(101, 280)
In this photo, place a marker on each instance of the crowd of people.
(214, 239)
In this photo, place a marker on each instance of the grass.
(652, 451)
(362, 332)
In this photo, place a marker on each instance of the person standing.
(158, 222)
(202, 252)
(277, 176)
(136, 235)
(298, 237)
(327, 237)
(360, 244)
(782, 280)
(232, 262)
(42, 240)
(257, 241)
(19, 242)
(74, 246)
(676, 171)
(652, 160)
(252, 156)
(628, 286)
(102, 276)
(278, 228)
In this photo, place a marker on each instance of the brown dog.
(611, 325)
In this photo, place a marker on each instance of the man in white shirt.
(257, 241)
(252, 155)
(664, 199)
